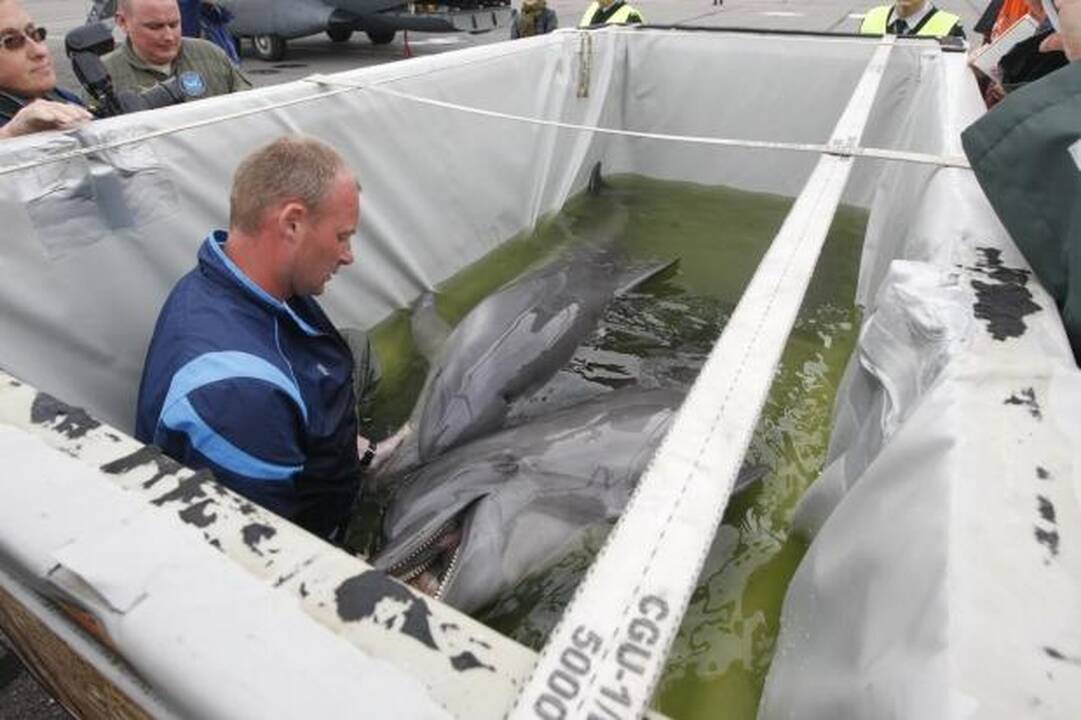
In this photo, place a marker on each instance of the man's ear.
(290, 217)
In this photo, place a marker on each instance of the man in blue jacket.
(245, 374)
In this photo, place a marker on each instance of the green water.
(660, 336)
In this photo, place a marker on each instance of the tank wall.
(95, 239)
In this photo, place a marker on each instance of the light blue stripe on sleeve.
(227, 365)
(182, 417)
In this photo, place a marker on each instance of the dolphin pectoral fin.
(749, 475)
(430, 330)
(636, 276)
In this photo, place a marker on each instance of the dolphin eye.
(506, 466)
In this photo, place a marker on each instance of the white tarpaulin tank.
(944, 576)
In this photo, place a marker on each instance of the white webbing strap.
(604, 658)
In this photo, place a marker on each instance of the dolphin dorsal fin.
(596, 180)
(430, 331)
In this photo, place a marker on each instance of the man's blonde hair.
(290, 168)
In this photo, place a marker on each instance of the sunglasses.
(17, 40)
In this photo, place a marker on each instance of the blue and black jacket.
(12, 103)
(257, 390)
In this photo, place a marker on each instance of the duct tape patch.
(1075, 153)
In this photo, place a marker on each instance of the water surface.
(659, 335)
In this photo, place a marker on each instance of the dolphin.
(511, 343)
(470, 525)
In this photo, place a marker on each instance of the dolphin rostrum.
(475, 521)
(511, 343)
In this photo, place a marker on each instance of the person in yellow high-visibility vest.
(610, 12)
(911, 17)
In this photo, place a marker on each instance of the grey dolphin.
(484, 515)
(512, 342)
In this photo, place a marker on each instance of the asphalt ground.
(318, 54)
(20, 696)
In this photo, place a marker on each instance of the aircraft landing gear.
(269, 47)
(339, 34)
(380, 37)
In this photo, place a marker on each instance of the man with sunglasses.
(29, 99)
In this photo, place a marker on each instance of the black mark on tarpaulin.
(991, 266)
(285, 578)
(375, 597)
(1027, 398)
(1042, 473)
(255, 533)
(70, 421)
(188, 489)
(1004, 302)
(196, 514)
(467, 661)
(146, 455)
(1048, 538)
(1046, 508)
(464, 660)
(1056, 655)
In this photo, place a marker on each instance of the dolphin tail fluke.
(634, 277)
(430, 331)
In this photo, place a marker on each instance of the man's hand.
(1069, 40)
(385, 448)
(43, 115)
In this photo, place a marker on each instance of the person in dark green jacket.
(155, 51)
(1026, 155)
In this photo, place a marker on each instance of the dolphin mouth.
(432, 565)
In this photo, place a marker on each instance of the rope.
(143, 137)
(817, 148)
